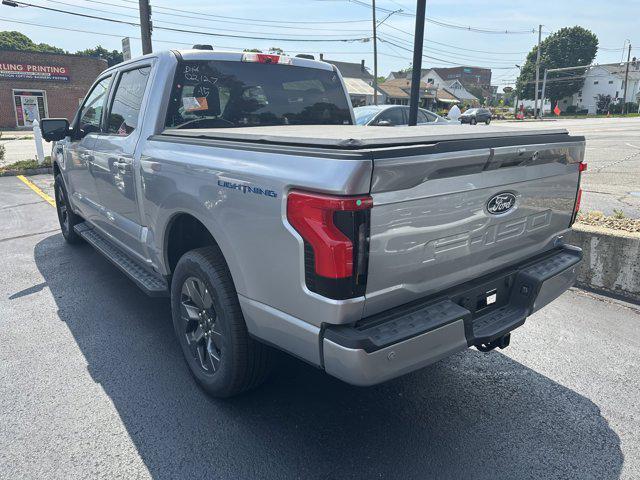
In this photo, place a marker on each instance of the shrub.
(571, 110)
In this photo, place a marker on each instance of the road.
(92, 385)
(612, 181)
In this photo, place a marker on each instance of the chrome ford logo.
(501, 203)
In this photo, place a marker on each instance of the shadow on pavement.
(473, 415)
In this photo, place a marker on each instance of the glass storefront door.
(30, 105)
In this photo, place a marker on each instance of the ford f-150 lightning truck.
(238, 185)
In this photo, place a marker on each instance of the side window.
(392, 115)
(90, 115)
(125, 108)
(426, 117)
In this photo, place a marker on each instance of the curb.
(29, 172)
(611, 263)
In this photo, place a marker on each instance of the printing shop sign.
(25, 71)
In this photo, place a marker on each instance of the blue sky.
(613, 22)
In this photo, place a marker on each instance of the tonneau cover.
(356, 136)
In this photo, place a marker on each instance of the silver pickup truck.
(238, 185)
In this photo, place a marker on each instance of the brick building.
(43, 85)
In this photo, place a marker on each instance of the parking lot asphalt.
(93, 385)
(612, 181)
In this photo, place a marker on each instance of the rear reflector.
(582, 167)
(266, 58)
(335, 231)
(578, 199)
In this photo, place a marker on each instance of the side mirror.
(54, 129)
(384, 123)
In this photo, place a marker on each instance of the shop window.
(29, 105)
(125, 109)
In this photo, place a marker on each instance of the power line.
(165, 22)
(448, 24)
(171, 42)
(279, 22)
(455, 46)
(435, 58)
(180, 30)
(199, 17)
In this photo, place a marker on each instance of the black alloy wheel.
(201, 328)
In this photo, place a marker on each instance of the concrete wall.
(611, 260)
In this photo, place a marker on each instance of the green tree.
(276, 51)
(19, 42)
(112, 57)
(252, 50)
(568, 47)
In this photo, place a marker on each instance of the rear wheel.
(66, 217)
(473, 121)
(487, 121)
(208, 322)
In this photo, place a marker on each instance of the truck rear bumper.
(412, 336)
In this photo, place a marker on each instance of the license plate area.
(486, 296)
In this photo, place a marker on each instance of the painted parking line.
(37, 189)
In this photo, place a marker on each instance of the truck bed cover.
(357, 137)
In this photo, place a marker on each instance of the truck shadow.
(472, 415)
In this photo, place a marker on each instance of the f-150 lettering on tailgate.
(476, 240)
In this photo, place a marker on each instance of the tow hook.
(502, 342)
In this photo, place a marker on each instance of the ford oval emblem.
(501, 203)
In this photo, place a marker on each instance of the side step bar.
(153, 284)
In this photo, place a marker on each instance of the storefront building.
(40, 85)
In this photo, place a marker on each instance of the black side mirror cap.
(54, 129)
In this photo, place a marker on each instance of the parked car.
(476, 115)
(237, 185)
(394, 116)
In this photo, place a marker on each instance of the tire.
(473, 121)
(66, 217)
(487, 121)
(208, 322)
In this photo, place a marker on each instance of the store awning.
(356, 86)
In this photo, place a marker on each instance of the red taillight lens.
(266, 58)
(578, 199)
(582, 166)
(336, 235)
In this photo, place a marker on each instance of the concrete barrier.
(611, 260)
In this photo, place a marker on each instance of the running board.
(153, 284)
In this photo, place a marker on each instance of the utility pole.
(145, 26)
(544, 87)
(535, 108)
(375, 55)
(626, 80)
(416, 71)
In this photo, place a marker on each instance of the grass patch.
(618, 221)
(26, 165)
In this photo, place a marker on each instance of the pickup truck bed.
(355, 137)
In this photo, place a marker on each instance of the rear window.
(215, 94)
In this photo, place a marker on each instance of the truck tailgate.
(449, 212)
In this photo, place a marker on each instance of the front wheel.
(66, 217)
(487, 121)
(473, 121)
(210, 327)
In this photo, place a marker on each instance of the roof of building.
(460, 93)
(401, 87)
(392, 90)
(443, 96)
(351, 70)
(619, 69)
(357, 86)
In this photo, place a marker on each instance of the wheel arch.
(185, 231)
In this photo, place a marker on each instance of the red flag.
(557, 110)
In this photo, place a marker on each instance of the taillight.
(266, 58)
(335, 231)
(582, 166)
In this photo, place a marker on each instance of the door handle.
(124, 165)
